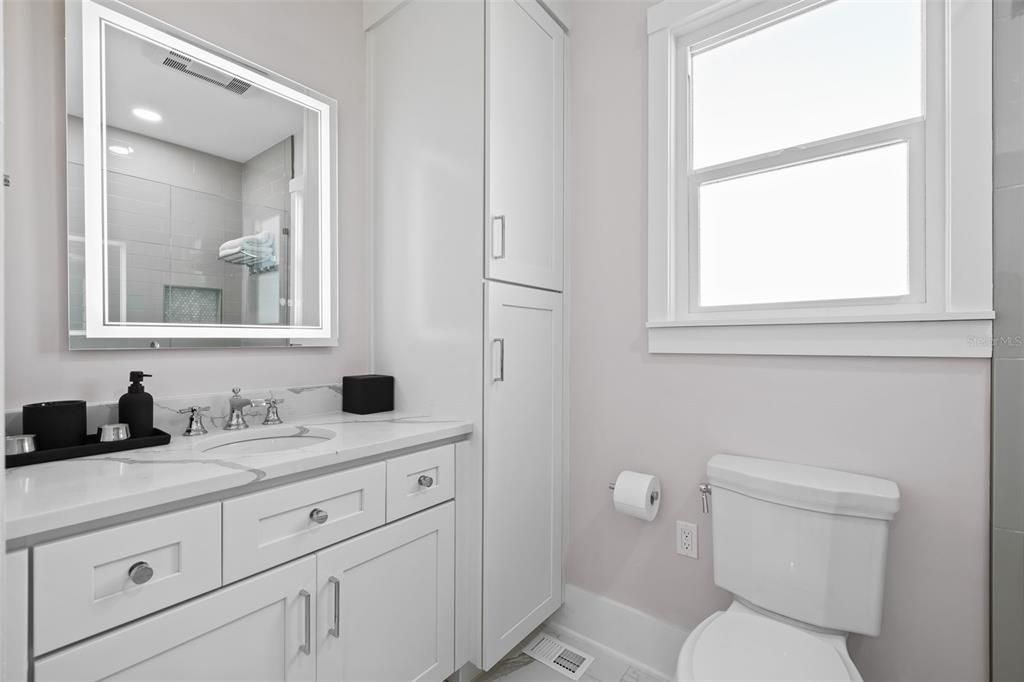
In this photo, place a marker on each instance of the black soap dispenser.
(135, 408)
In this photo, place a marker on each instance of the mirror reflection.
(210, 196)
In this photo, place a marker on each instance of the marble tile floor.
(519, 667)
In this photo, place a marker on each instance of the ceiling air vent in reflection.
(186, 65)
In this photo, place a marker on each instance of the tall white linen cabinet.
(466, 116)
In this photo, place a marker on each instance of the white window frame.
(948, 311)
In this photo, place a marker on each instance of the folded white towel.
(263, 240)
(267, 251)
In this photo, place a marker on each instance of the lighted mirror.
(201, 201)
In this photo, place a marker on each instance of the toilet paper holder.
(654, 495)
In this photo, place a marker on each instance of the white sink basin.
(261, 441)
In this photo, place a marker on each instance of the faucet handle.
(195, 420)
(272, 416)
(236, 390)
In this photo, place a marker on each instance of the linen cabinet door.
(523, 465)
(257, 630)
(386, 603)
(525, 50)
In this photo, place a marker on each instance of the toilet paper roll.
(638, 495)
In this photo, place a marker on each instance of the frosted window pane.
(843, 67)
(837, 228)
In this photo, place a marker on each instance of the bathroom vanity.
(316, 552)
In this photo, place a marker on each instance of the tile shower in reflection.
(170, 209)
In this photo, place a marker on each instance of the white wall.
(922, 423)
(319, 44)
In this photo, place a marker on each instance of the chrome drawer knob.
(140, 572)
(318, 516)
(426, 481)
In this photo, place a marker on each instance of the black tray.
(92, 446)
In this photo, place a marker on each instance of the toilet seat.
(740, 644)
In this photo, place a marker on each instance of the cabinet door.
(386, 603)
(525, 150)
(258, 630)
(522, 465)
(15, 616)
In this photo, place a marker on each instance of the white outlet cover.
(686, 539)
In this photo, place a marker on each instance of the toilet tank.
(804, 542)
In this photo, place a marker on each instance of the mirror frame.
(96, 16)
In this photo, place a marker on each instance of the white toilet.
(802, 549)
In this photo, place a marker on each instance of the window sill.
(953, 335)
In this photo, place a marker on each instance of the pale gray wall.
(922, 423)
(319, 44)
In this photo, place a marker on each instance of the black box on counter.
(367, 393)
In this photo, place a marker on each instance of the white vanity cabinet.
(386, 602)
(525, 74)
(319, 584)
(258, 630)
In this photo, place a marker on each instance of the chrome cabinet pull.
(336, 630)
(498, 237)
(140, 572)
(306, 646)
(426, 481)
(498, 360)
(318, 516)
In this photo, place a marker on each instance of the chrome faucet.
(195, 420)
(272, 416)
(236, 417)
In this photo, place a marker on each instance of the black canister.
(56, 424)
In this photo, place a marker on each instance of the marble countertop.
(44, 498)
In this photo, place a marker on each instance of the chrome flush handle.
(705, 497)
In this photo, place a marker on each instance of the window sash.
(911, 133)
(684, 266)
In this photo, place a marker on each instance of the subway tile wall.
(169, 210)
(1008, 363)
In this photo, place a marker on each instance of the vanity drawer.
(93, 582)
(272, 526)
(420, 480)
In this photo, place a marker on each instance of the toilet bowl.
(743, 644)
(802, 549)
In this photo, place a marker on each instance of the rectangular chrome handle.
(336, 630)
(498, 237)
(498, 360)
(307, 646)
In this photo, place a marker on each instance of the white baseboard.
(640, 639)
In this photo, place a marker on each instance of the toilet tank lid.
(806, 487)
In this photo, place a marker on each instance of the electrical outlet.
(686, 539)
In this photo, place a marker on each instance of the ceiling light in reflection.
(147, 115)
